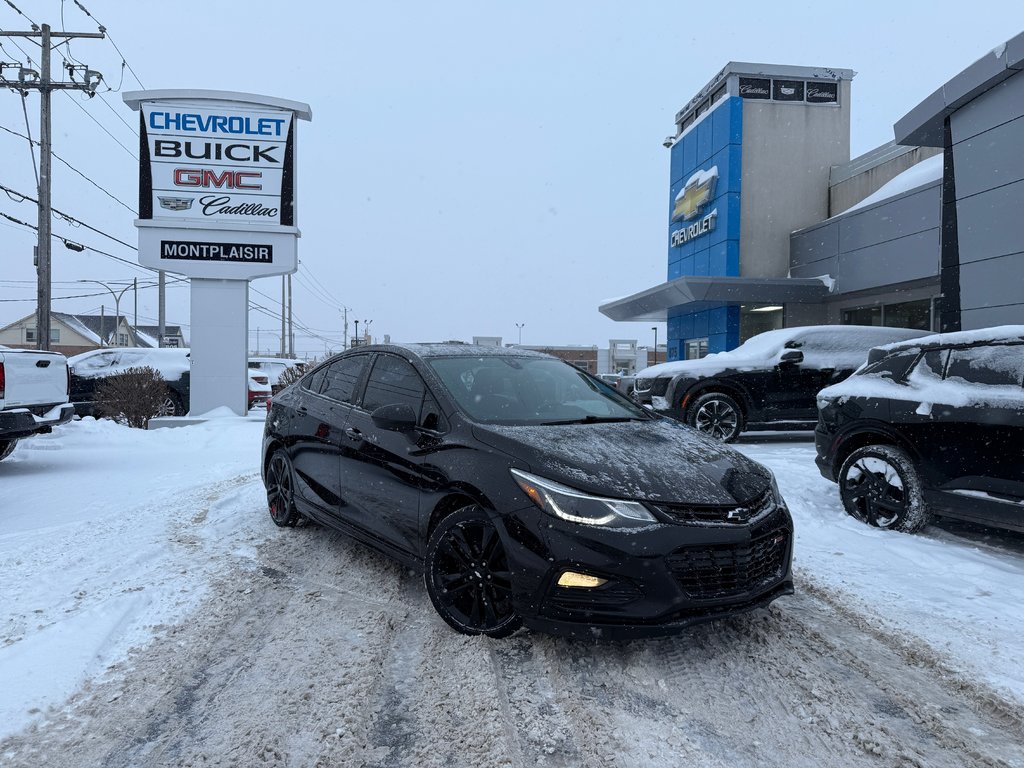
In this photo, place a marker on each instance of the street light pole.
(117, 304)
(655, 329)
(520, 326)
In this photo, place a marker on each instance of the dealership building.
(771, 224)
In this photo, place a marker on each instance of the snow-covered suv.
(768, 382)
(935, 425)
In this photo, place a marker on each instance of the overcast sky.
(469, 166)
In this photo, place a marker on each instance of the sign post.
(217, 192)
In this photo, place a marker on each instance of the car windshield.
(527, 390)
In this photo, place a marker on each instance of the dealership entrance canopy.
(697, 293)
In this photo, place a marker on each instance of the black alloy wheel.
(879, 486)
(468, 576)
(281, 490)
(718, 415)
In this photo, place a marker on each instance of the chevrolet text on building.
(217, 191)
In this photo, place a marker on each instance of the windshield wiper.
(591, 419)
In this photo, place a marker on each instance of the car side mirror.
(398, 417)
(792, 357)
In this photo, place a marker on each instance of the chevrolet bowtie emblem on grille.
(176, 203)
(740, 514)
(698, 191)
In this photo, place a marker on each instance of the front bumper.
(661, 578)
(24, 422)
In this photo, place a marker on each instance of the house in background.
(73, 334)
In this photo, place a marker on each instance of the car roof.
(1000, 333)
(452, 349)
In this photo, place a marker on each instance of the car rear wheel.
(468, 576)
(281, 490)
(718, 415)
(880, 486)
(7, 448)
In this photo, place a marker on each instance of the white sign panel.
(217, 163)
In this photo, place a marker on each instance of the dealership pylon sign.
(217, 203)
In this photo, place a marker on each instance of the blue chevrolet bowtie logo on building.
(698, 191)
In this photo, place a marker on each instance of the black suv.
(930, 426)
(768, 382)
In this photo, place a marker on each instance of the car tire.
(468, 577)
(716, 414)
(7, 448)
(880, 486)
(280, 483)
(172, 405)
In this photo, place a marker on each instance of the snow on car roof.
(996, 333)
(839, 341)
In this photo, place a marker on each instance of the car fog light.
(573, 579)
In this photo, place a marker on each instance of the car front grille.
(726, 570)
(720, 514)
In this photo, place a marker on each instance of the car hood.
(658, 460)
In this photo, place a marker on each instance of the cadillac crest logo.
(176, 203)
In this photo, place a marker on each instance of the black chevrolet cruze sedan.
(930, 426)
(528, 491)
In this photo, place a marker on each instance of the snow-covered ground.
(113, 537)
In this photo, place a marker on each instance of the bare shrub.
(133, 397)
(293, 373)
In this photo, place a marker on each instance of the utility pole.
(161, 312)
(291, 328)
(344, 314)
(283, 317)
(29, 79)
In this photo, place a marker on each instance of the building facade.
(771, 224)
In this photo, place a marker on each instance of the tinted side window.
(392, 381)
(996, 365)
(314, 382)
(894, 367)
(929, 367)
(342, 377)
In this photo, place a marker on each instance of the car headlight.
(776, 493)
(579, 507)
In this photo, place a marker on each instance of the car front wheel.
(468, 576)
(718, 415)
(880, 486)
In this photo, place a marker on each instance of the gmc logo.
(204, 177)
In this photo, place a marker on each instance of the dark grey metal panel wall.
(885, 244)
(988, 134)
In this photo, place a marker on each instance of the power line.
(124, 61)
(103, 127)
(28, 130)
(66, 216)
(69, 165)
(74, 246)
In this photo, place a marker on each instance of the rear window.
(894, 367)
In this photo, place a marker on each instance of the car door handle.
(302, 409)
(354, 433)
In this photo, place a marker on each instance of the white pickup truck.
(33, 395)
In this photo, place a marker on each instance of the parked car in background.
(90, 368)
(174, 364)
(273, 367)
(931, 426)
(259, 388)
(527, 491)
(768, 382)
(33, 395)
(611, 379)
